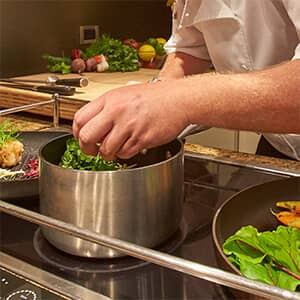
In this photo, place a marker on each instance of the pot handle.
(191, 129)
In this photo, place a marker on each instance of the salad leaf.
(8, 132)
(120, 57)
(271, 257)
(74, 158)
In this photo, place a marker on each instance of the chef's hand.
(126, 120)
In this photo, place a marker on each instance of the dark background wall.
(31, 28)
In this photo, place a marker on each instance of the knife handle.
(61, 90)
(80, 82)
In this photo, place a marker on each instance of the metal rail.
(55, 101)
(166, 260)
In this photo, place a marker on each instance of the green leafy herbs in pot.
(272, 257)
(74, 158)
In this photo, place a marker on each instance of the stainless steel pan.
(142, 205)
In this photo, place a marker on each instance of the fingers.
(128, 148)
(86, 113)
(112, 144)
(93, 133)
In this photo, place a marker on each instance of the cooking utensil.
(142, 205)
(20, 187)
(61, 90)
(250, 207)
(53, 80)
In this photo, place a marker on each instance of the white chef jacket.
(240, 36)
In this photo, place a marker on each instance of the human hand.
(128, 119)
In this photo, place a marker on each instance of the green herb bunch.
(121, 58)
(74, 158)
(8, 132)
(58, 64)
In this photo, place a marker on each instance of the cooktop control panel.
(16, 287)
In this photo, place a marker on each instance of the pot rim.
(173, 157)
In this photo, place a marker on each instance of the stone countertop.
(282, 166)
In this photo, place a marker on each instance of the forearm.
(265, 101)
(179, 64)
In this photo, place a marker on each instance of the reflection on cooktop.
(67, 262)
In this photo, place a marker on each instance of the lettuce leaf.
(271, 257)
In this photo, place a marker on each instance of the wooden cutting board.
(99, 83)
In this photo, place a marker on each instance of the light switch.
(88, 34)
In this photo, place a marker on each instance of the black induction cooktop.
(207, 185)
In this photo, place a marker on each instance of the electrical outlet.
(88, 34)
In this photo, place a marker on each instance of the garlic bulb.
(103, 65)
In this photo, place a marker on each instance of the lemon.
(161, 40)
(146, 52)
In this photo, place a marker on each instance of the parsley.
(74, 158)
(121, 58)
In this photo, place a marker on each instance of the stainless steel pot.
(142, 205)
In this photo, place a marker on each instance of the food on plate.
(31, 169)
(11, 149)
(293, 206)
(290, 216)
(74, 158)
(4, 173)
(272, 257)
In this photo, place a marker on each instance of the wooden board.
(99, 83)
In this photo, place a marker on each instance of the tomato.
(131, 43)
(98, 59)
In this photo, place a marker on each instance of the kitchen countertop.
(32, 123)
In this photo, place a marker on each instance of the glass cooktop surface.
(207, 185)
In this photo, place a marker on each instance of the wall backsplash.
(31, 28)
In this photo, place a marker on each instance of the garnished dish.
(11, 150)
(272, 257)
(12, 153)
